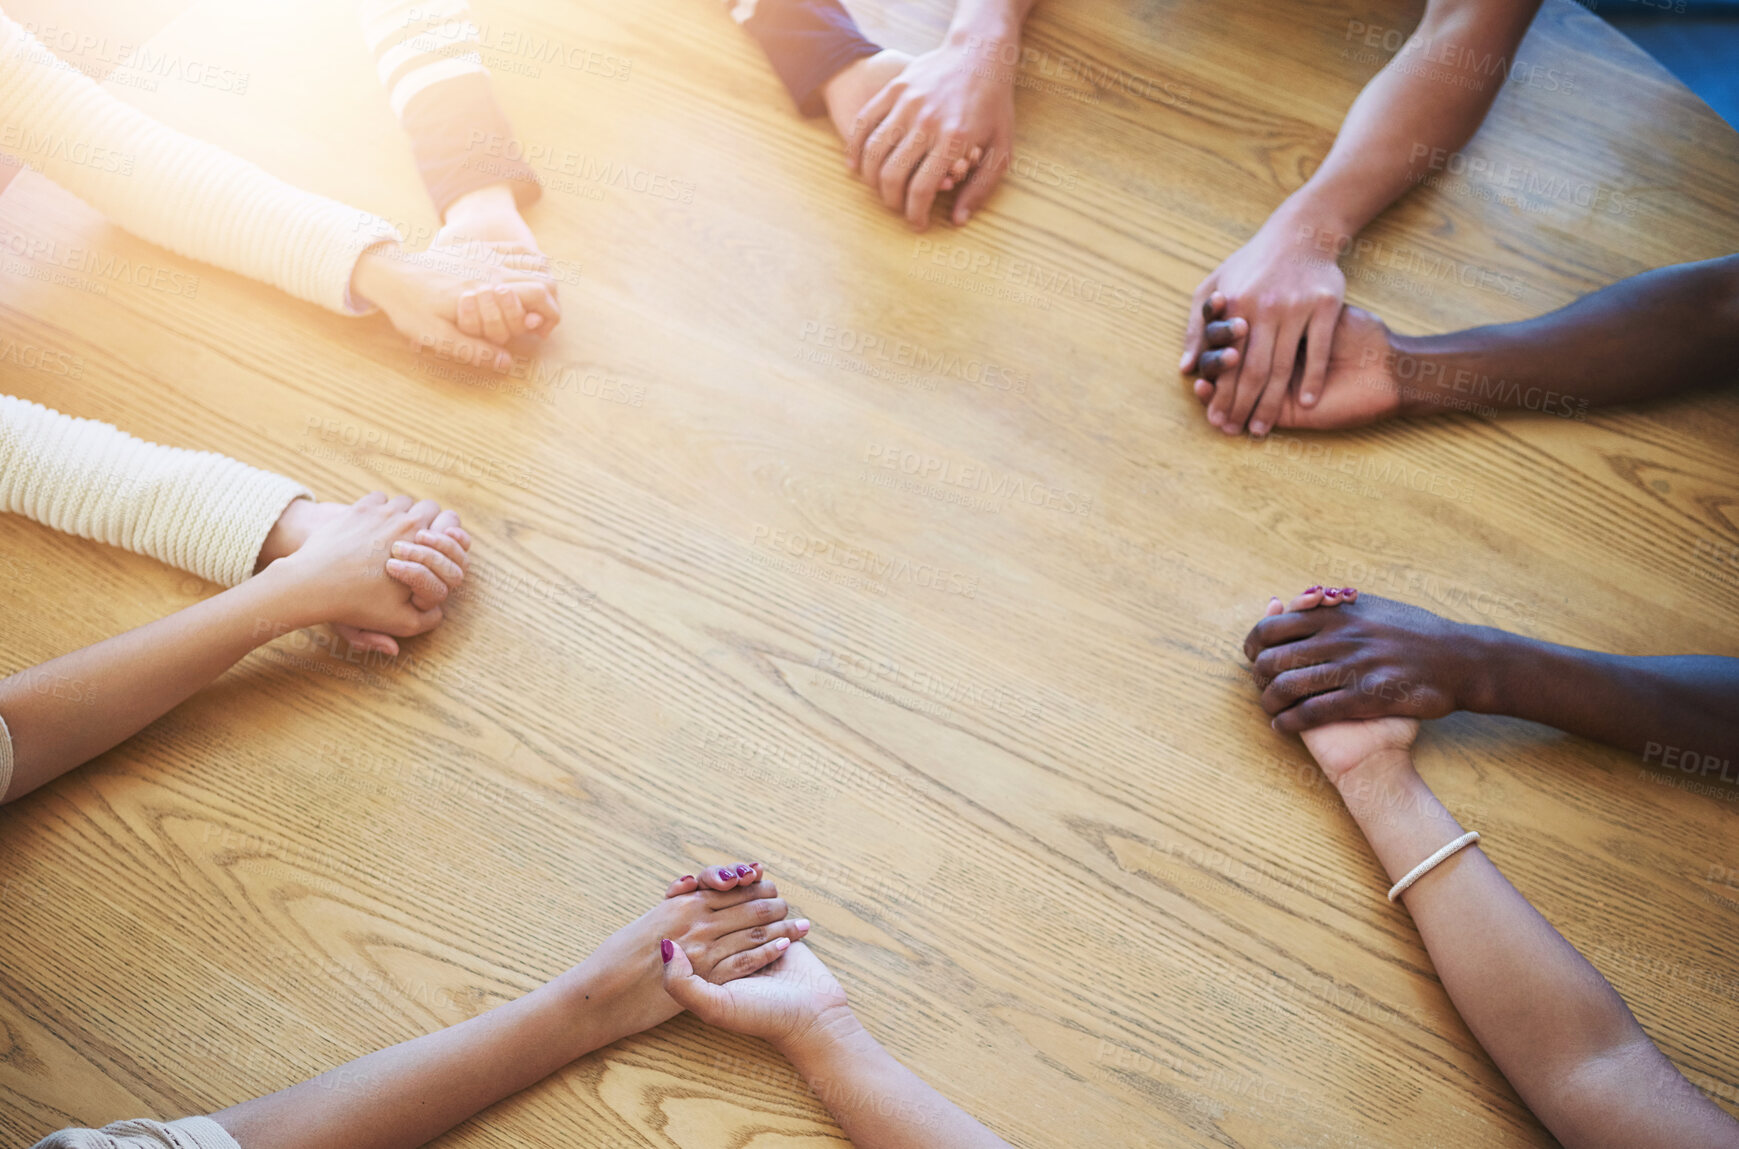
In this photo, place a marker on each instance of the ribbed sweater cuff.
(253, 501)
(187, 1133)
(339, 262)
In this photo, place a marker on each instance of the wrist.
(278, 600)
(1310, 218)
(377, 274)
(812, 1046)
(1385, 778)
(1429, 377)
(1488, 661)
(588, 1006)
(287, 534)
(485, 203)
(992, 33)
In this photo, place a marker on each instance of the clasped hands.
(463, 298)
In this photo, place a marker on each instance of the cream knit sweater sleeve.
(196, 510)
(185, 194)
(188, 1133)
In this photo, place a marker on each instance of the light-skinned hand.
(1359, 386)
(1288, 292)
(925, 127)
(377, 570)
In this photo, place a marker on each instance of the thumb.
(367, 639)
(452, 344)
(689, 990)
(982, 181)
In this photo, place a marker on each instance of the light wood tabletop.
(995, 737)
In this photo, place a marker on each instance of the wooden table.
(1001, 749)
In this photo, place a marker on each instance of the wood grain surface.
(994, 736)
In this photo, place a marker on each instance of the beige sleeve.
(196, 510)
(185, 194)
(188, 1133)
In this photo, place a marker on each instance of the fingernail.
(400, 549)
(686, 878)
(1258, 429)
(802, 925)
(744, 871)
(666, 950)
(533, 320)
(1308, 399)
(1273, 598)
(503, 361)
(1311, 589)
(782, 944)
(1184, 363)
(1349, 590)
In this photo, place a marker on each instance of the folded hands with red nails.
(1333, 654)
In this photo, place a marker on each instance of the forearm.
(1654, 706)
(1668, 330)
(877, 1101)
(1554, 1027)
(72, 708)
(411, 1093)
(196, 510)
(1427, 101)
(187, 195)
(995, 22)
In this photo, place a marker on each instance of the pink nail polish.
(744, 871)
(1311, 589)
(782, 944)
(686, 878)
(666, 950)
